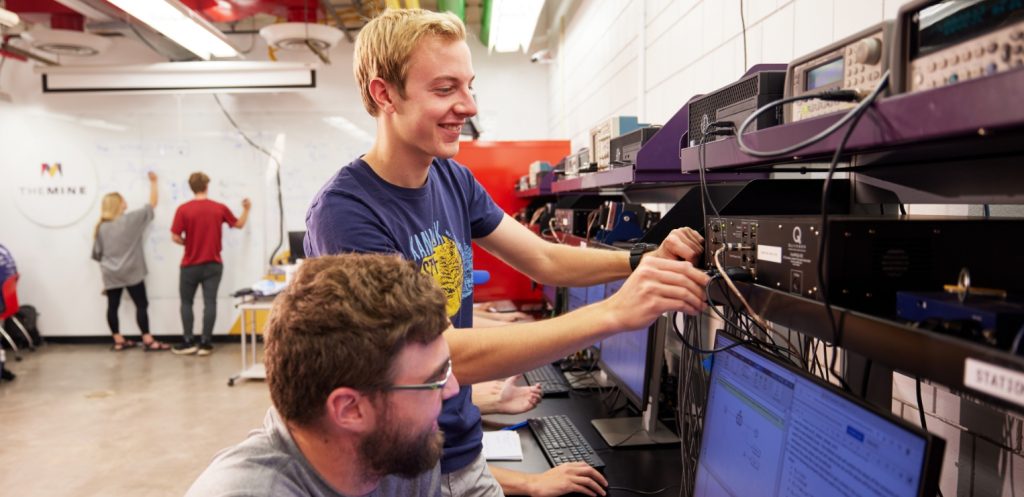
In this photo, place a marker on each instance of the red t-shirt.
(198, 222)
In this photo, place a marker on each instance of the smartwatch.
(637, 252)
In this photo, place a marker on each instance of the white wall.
(124, 136)
(648, 57)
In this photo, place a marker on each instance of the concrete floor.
(83, 421)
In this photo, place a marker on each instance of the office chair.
(11, 306)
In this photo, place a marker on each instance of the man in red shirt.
(197, 226)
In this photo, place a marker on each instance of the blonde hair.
(385, 45)
(110, 208)
(198, 182)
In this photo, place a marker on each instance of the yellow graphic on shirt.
(445, 266)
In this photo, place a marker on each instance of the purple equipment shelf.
(972, 108)
(629, 177)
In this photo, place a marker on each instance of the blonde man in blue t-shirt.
(406, 196)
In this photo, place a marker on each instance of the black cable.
(714, 308)
(832, 95)
(864, 381)
(697, 349)
(743, 24)
(277, 178)
(920, 405)
(705, 194)
(858, 112)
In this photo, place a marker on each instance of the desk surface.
(645, 468)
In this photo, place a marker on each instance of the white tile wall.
(854, 15)
(778, 36)
(691, 46)
(814, 19)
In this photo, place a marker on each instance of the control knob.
(867, 51)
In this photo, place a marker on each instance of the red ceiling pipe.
(37, 7)
(73, 22)
(302, 14)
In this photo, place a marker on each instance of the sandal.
(155, 346)
(125, 344)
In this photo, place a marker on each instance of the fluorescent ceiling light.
(512, 24)
(8, 18)
(180, 77)
(181, 24)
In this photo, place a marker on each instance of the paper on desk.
(502, 445)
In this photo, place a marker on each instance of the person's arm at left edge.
(563, 265)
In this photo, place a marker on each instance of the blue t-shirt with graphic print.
(433, 226)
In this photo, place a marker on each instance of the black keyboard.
(551, 379)
(562, 442)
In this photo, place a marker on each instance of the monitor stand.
(635, 432)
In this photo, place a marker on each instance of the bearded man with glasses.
(357, 368)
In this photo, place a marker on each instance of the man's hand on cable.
(680, 244)
(658, 285)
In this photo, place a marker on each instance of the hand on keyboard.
(567, 478)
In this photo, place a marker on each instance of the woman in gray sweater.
(117, 247)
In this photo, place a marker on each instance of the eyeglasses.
(437, 385)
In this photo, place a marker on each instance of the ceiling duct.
(65, 41)
(302, 36)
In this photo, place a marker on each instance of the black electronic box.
(735, 102)
(870, 259)
(625, 147)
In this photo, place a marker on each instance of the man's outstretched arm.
(657, 286)
(563, 265)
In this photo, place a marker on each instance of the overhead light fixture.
(8, 18)
(182, 25)
(512, 24)
(180, 77)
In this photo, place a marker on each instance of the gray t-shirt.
(118, 248)
(268, 463)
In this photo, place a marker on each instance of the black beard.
(388, 451)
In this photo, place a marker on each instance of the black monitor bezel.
(641, 402)
(934, 445)
(293, 255)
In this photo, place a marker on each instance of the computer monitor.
(632, 361)
(773, 430)
(584, 295)
(550, 293)
(295, 248)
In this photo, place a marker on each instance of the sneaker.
(205, 349)
(184, 348)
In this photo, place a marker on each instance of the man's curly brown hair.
(341, 323)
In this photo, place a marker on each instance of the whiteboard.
(123, 147)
